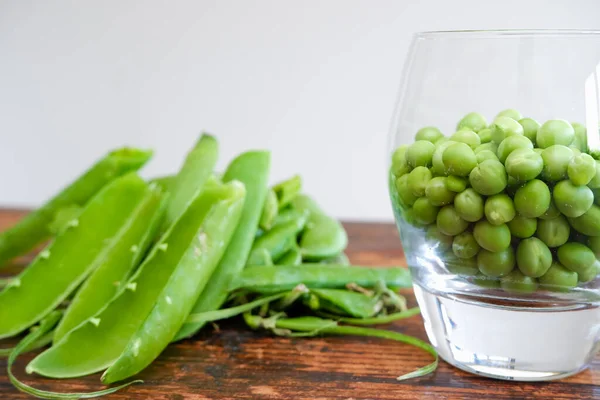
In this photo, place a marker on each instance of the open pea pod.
(347, 303)
(114, 269)
(37, 226)
(269, 211)
(185, 284)
(324, 236)
(252, 169)
(277, 241)
(192, 176)
(264, 279)
(95, 344)
(109, 222)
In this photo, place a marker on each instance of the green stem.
(43, 341)
(384, 319)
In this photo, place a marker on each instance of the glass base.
(510, 342)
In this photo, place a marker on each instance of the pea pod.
(340, 259)
(192, 176)
(269, 212)
(315, 276)
(36, 227)
(347, 303)
(292, 257)
(288, 215)
(185, 284)
(114, 270)
(277, 241)
(287, 190)
(324, 236)
(313, 326)
(252, 169)
(91, 240)
(165, 182)
(95, 344)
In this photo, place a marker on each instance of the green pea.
(588, 223)
(456, 183)
(572, 200)
(424, 212)
(493, 238)
(499, 209)
(473, 121)
(459, 159)
(580, 139)
(594, 183)
(556, 162)
(420, 153)
(418, 179)
(530, 128)
(437, 162)
(488, 178)
(437, 240)
(486, 155)
(510, 113)
(551, 213)
(468, 137)
(485, 135)
(554, 232)
(590, 273)
(576, 256)
(469, 205)
(491, 146)
(524, 164)
(558, 278)
(553, 132)
(515, 281)
(581, 169)
(522, 227)
(406, 196)
(465, 245)
(594, 245)
(533, 257)
(449, 222)
(575, 150)
(504, 127)
(429, 133)
(532, 199)
(399, 160)
(438, 193)
(511, 144)
(461, 266)
(496, 264)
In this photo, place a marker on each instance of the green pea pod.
(165, 182)
(269, 212)
(316, 276)
(324, 236)
(37, 227)
(114, 270)
(192, 176)
(292, 257)
(95, 344)
(349, 303)
(314, 326)
(91, 240)
(63, 217)
(186, 283)
(340, 259)
(261, 257)
(252, 169)
(288, 215)
(277, 241)
(287, 190)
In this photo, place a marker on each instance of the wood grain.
(236, 363)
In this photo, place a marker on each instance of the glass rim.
(490, 33)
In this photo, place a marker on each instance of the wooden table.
(237, 363)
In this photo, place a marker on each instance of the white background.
(313, 81)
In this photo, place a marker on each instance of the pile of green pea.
(512, 204)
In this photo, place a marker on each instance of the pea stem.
(384, 319)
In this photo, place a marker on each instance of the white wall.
(314, 81)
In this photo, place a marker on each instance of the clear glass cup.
(505, 312)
